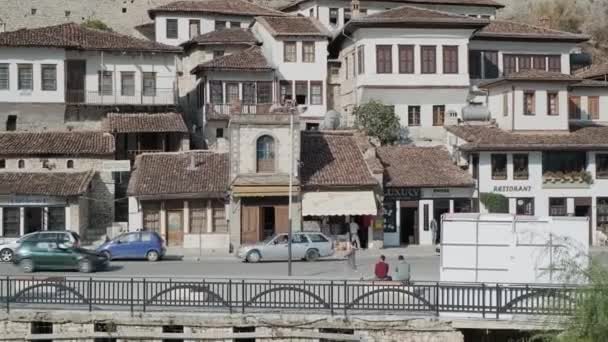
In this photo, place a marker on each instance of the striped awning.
(338, 203)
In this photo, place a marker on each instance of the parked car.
(134, 245)
(56, 255)
(305, 245)
(7, 250)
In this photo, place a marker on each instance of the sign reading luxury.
(403, 194)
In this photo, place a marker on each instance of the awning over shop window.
(338, 203)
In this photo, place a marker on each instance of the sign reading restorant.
(512, 188)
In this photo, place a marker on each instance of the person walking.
(402, 270)
(434, 230)
(351, 251)
(354, 233)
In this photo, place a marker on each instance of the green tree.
(379, 121)
(96, 24)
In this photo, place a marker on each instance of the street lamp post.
(290, 219)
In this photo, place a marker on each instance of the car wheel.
(253, 257)
(84, 266)
(152, 256)
(107, 255)
(27, 265)
(312, 255)
(6, 255)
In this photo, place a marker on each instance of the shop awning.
(338, 203)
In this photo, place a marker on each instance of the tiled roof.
(251, 59)
(293, 26)
(60, 143)
(490, 138)
(235, 7)
(485, 3)
(407, 166)
(590, 84)
(332, 159)
(45, 183)
(415, 16)
(200, 173)
(514, 30)
(144, 122)
(74, 36)
(226, 36)
(595, 70)
(533, 76)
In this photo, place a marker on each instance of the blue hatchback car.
(134, 245)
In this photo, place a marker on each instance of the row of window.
(484, 63)
(557, 207)
(194, 27)
(253, 92)
(413, 115)
(290, 54)
(25, 77)
(575, 108)
(561, 161)
(574, 105)
(105, 83)
(11, 220)
(21, 164)
(197, 216)
(302, 94)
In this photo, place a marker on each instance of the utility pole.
(290, 219)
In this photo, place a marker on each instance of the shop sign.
(406, 194)
(389, 217)
(512, 188)
(33, 200)
(441, 191)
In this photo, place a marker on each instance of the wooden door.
(250, 224)
(281, 219)
(175, 228)
(75, 84)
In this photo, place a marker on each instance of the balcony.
(225, 109)
(116, 97)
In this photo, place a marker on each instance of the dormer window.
(70, 164)
(265, 154)
(21, 164)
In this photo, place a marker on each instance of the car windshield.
(25, 237)
(126, 238)
(268, 239)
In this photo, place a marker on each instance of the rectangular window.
(593, 107)
(490, 64)
(601, 166)
(499, 166)
(308, 52)
(151, 216)
(198, 217)
(438, 115)
(555, 63)
(346, 73)
(509, 64)
(149, 84)
(286, 91)
(505, 104)
(232, 93)
(235, 24)
(524, 63)
(219, 132)
(425, 217)
(520, 166)
(360, 59)
(171, 28)
(384, 59)
(127, 83)
(333, 16)
(289, 52)
(25, 77)
(557, 207)
(249, 92)
(301, 92)
(316, 92)
(216, 92)
(574, 107)
(56, 218)
(104, 82)
(529, 103)
(539, 62)
(524, 206)
(195, 28)
(220, 225)
(4, 77)
(11, 123)
(311, 12)
(429, 59)
(602, 214)
(450, 59)
(413, 115)
(49, 77)
(264, 92)
(406, 59)
(10, 221)
(552, 104)
(220, 25)
(475, 58)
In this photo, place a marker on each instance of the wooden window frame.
(601, 158)
(312, 95)
(148, 80)
(44, 78)
(574, 113)
(438, 115)
(414, 116)
(124, 90)
(521, 174)
(407, 65)
(5, 82)
(360, 59)
(264, 91)
(21, 68)
(308, 57)
(170, 32)
(529, 109)
(266, 157)
(450, 59)
(555, 96)
(384, 61)
(593, 107)
(493, 160)
(428, 63)
(554, 63)
(289, 53)
(509, 64)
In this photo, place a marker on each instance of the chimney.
(544, 22)
(355, 8)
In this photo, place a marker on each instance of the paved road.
(424, 265)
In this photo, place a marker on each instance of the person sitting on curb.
(381, 269)
(402, 270)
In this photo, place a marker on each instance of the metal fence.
(330, 297)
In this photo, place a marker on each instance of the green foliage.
(96, 24)
(495, 203)
(379, 121)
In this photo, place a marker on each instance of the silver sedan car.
(305, 245)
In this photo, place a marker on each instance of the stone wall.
(149, 326)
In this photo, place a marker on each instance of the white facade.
(206, 23)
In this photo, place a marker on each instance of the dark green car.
(53, 255)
